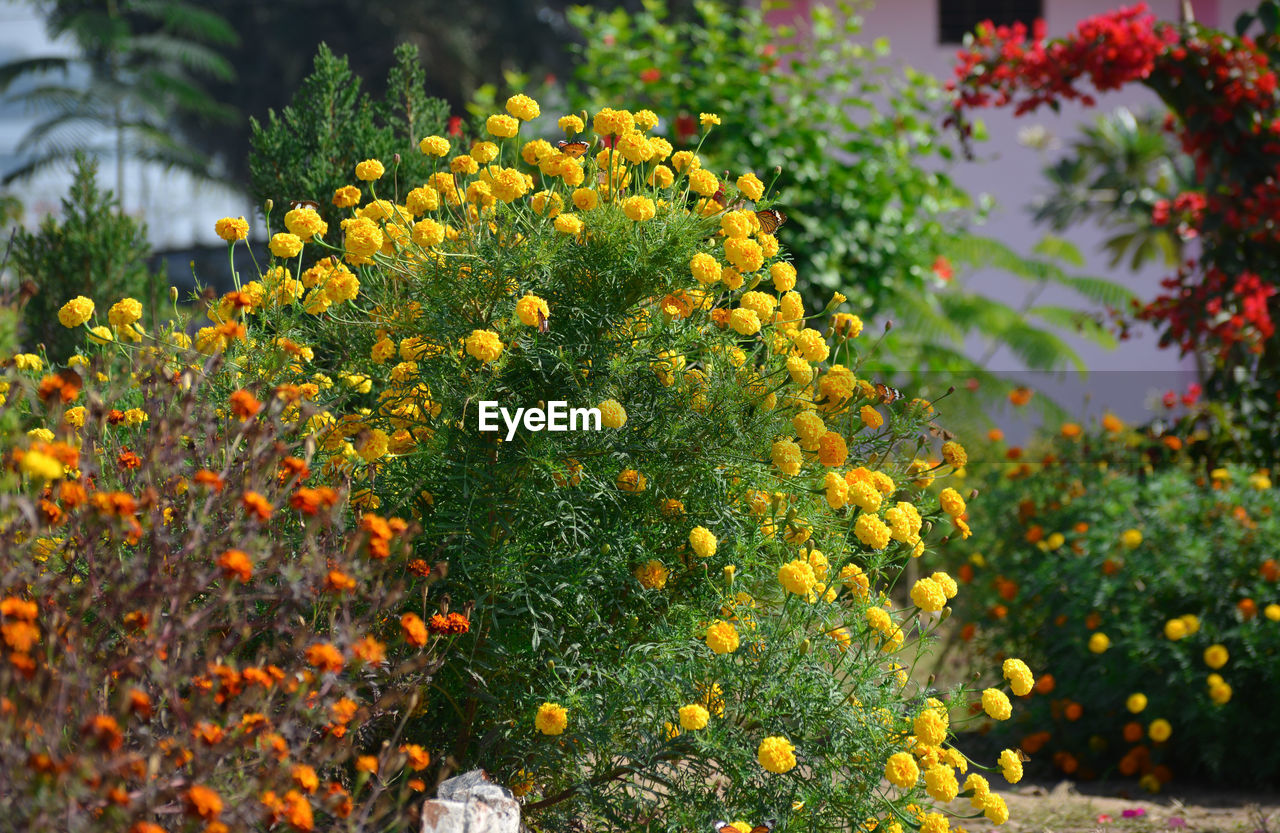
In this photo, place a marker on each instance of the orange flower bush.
(184, 642)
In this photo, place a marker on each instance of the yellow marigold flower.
(1099, 642)
(523, 107)
(930, 726)
(634, 147)
(652, 575)
(631, 480)
(928, 596)
(708, 119)
(427, 233)
(1216, 656)
(75, 312)
(872, 532)
(1011, 766)
(705, 269)
(75, 416)
(951, 502)
(837, 490)
(434, 146)
(1175, 629)
(1272, 612)
(797, 577)
(571, 125)
(369, 170)
(694, 717)
(776, 754)
(362, 238)
(504, 127)
(745, 255)
(738, 224)
(722, 637)
(996, 704)
(568, 224)
(348, 196)
(305, 223)
(809, 428)
(783, 275)
(979, 786)
(463, 165)
(812, 346)
(661, 177)
(41, 466)
(751, 186)
(585, 199)
(871, 417)
(640, 209)
(940, 782)
(484, 345)
(124, 312)
(1220, 693)
(832, 450)
(744, 322)
(682, 159)
(702, 181)
(995, 809)
(532, 310)
(954, 454)
(703, 542)
(1159, 730)
(101, 335)
(232, 229)
(547, 203)
(135, 416)
(786, 457)
(1131, 538)
(552, 719)
(1136, 702)
(612, 414)
(901, 770)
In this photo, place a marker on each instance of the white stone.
(471, 803)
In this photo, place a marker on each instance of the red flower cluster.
(454, 623)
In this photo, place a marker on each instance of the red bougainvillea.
(1222, 94)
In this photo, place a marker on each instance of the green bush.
(309, 150)
(93, 249)
(1116, 567)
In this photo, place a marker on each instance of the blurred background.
(163, 96)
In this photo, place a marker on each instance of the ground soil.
(1068, 807)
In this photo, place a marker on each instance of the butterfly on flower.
(296, 204)
(574, 149)
(887, 394)
(770, 219)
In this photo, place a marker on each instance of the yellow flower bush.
(723, 550)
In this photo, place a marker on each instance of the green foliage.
(92, 249)
(872, 212)
(1060, 564)
(312, 147)
(571, 550)
(146, 61)
(1114, 174)
(857, 144)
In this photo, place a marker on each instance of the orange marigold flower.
(71, 494)
(293, 468)
(326, 657)
(370, 650)
(64, 387)
(415, 631)
(115, 416)
(14, 608)
(419, 758)
(20, 636)
(1020, 396)
(340, 800)
(367, 763)
(305, 777)
(146, 827)
(343, 711)
(454, 623)
(140, 703)
(209, 479)
(339, 582)
(244, 404)
(311, 501)
(209, 733)
(104, 729)
(297, 811)
(256, 505)
(236, 564)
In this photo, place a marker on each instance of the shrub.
(94, 250)
(308, 151)
(1117, 568)
(679, 616)
(193, 635)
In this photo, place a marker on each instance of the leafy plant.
(145, 61)
(311, 148)
(1142, 586)
(93, 249)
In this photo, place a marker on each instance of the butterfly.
(574, 149)
(770, 219)
(887, 394)
(941, 433)
(725, 827)
(294, 205)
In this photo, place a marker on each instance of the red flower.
(650, 75)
